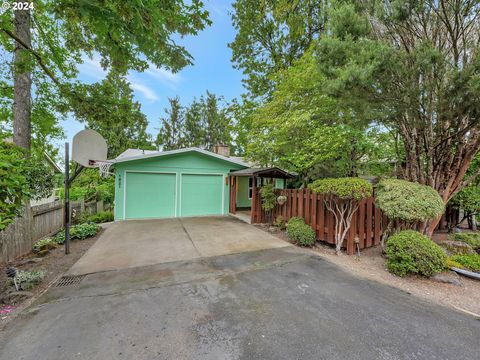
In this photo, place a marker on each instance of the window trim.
(250, 188)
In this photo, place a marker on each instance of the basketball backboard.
(88, 146)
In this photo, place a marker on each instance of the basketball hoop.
(86, 146)
(103, 167)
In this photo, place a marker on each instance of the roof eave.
(180, 151)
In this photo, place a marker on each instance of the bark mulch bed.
(54, 265)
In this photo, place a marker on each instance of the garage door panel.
(201, 195)
(150, 195)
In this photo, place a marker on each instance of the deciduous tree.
(109, 108)
(418, 70)
(55, 36)
(271, 34)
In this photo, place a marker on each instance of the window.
(250, 187)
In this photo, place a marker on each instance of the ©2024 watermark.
(15, 5)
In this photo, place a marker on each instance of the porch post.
(233, 194)
(253, 209)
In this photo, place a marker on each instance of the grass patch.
(468, 261)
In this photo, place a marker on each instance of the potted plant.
(282, 199)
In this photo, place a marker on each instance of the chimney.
(222, 149)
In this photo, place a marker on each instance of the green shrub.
(78, 232)
(409, 252)
(300, 233)
(269, 199)
(83, 231)
(452, 263)
(14, 187)
(28, 279)
(43, 245)
(408, 201)
(295, 220)
(101, 217)
(344, 188)
(472, 239)
(469, 261)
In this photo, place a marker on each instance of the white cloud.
(165, 76)
(92, 68)
(146, 92)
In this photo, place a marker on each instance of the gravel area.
(464, 296)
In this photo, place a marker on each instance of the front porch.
(244, 215)
(245, 202)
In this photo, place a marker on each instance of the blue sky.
(212, 70)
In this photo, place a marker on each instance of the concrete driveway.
(280, 302)
(129, 244)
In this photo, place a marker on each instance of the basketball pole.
(68, 181)
(67, 199)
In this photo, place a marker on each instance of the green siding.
(279, 183)
(191, 162)
(242, 192)
(150, 195)
(201, 195)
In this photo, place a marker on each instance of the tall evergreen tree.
(216, 122)
(170, 136)
(194, 131)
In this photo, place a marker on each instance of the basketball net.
(104, 168)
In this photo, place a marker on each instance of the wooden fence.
(366, 222)
(37, 222)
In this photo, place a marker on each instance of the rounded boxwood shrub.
(410, 252)
(351, 188)
(300, 233)
(408, 201)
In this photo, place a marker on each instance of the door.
(149, 195)
(201, 195)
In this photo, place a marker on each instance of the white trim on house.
(197, 173)
(146, 171)
(180, 151)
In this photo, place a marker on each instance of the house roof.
(273, 172)
(136, 154)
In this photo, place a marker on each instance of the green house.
(181, 183)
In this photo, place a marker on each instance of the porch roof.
(270, 172)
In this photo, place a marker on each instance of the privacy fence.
(366, 225)
(37, 222)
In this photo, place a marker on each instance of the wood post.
(253, 209)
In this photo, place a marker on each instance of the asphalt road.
(270, 304)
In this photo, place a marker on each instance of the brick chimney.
(222, 149)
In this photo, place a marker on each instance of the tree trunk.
(22, 83)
